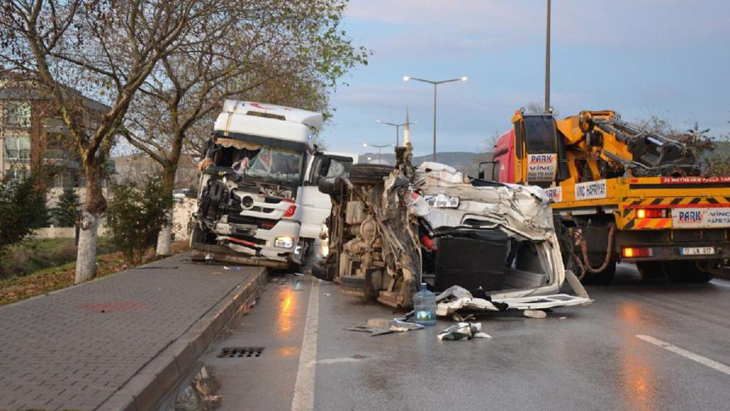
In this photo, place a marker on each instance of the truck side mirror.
(482, 174)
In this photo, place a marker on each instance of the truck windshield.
(261, 161)
(540, 134)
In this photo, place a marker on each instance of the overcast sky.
(638, 57)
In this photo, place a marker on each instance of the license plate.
(697, 250)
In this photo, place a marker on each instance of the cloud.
(474, 24)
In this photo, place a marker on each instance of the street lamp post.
(435, 91)
(378, 146)
(547, 61)
(397, 128)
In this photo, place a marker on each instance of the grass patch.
(19, 287)
(38, 253)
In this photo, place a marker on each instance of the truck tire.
(650, 270)
(197, 236)
(369, 174)
(685, 272)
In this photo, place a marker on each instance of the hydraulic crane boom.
(626, 148)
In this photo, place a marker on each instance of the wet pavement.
(609, 355)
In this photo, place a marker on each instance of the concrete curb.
(153, 382)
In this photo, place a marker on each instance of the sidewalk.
(120, 342)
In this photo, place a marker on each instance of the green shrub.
(22, 206)
(67, 211)
(135, 215)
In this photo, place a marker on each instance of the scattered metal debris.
(379, 326)
(462, 332)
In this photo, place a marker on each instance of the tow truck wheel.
(685, 272)
(650, 270)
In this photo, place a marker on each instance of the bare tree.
(283, 53)
(535, 107)
(107, 48)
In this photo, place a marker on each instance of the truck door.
(316, 206)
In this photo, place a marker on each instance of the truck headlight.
(284, 242)
(442, 201)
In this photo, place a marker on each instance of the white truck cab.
(254, 178)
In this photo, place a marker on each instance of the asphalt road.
(609, 355)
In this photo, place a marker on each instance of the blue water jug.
(424, 306)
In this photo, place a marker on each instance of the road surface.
(640, 346)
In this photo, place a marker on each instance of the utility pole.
(547, 61)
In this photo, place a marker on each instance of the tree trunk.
(164, 238)
(86, 257)
(94, 206)
(164, 241)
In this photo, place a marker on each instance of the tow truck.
(620, 194)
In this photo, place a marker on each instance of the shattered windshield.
(260, 161)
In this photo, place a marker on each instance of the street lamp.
(379, 147)
(435, 87)
(547, 61)
(397, 128)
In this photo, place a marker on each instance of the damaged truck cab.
(252, 186)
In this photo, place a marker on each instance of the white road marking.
(304, 387)
(338, 360)
(687, 354)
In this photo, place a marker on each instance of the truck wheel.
(685, 272)
(650, 270)
(197, 236)
(369, 174)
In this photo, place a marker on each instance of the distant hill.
(464, 161)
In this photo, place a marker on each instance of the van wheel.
(369, 174)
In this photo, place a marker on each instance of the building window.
(18, 148)
(17, 114)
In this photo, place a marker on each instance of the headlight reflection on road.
(638, 373)
(286, 310)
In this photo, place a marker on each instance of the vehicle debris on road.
(457, 299)
(538, 314)
(380, 326)
(463, 332)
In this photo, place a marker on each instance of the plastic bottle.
(424, 306)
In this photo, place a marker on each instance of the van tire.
(369, 174)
